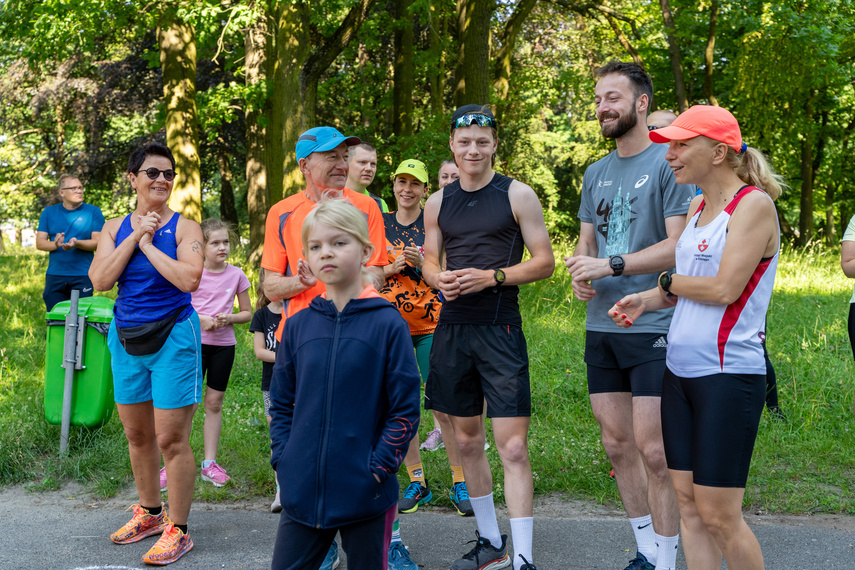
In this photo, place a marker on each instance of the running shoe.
(459, 495)
(416, 494)
(170, 547)
(332, 561)
(433, 441)
(140, 526)
(276, 505)
(640, 562)
(484, 556)
(526, 564)
(399, 558)
(215, 474)
(163, 479)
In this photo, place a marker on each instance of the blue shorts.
(170, 378)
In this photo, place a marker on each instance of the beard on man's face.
(623, 125)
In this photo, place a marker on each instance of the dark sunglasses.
(153, 173)
(476, 118)
(652, 127)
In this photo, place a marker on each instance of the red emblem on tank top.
(703, 245)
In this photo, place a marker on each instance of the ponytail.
(752, 168)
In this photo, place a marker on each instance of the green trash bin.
(92, 394)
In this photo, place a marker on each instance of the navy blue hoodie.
(344, 403)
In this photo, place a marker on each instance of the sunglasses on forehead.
(153, 173)
(469, 119)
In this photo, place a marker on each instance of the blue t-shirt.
(77, 223)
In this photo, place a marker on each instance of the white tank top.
(704, 338)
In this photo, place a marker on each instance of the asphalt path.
(68, 530)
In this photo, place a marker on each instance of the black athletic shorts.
(618, 362)
(217, 364)
(709, 425)
(852, 327)
(58, 288)
(470, 363)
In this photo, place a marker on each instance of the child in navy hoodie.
(344, 403)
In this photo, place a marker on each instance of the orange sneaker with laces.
(140, 526)
(171, 546)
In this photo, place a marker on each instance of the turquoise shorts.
(170, 378)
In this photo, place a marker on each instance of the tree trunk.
(177, 42)
(472, 82)
(504, 58)
(402, 96)
(300, 62)
(256, 43)
(676, 62)
(228, 212)
(436, 78)
(624, 41)
(806, 228)
(709, 54)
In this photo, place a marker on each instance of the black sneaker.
(484, 556)
(416, 494)
(527, 565)
(640, 562)
(459, 496)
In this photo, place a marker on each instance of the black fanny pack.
(150, 337)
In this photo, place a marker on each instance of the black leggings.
(852, 327)
(217, 362)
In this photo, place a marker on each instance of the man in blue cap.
(322, 157)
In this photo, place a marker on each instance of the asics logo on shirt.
(641, 181)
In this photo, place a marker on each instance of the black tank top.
(479, 231)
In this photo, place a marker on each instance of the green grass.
(802, 465)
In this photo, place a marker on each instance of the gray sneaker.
(484, 556)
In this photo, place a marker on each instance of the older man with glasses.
(69, 232)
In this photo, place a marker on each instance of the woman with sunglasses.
(715, 381)
(155, 256)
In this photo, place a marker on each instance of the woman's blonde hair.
(340, 214)
(752, 168)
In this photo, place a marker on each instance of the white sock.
(522, 530)
(666, 552)
(645, 538)
(485, 516)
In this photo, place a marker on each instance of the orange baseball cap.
(702, 120)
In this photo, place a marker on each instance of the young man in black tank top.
(481, 223)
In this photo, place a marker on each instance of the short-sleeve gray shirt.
(627, 200)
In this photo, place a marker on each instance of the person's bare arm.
(658, 257)
(586, 247)
(432, 270)
(752, 235)
(847, 258)
(529, 215)
(110, 261)
(88, 244)
(185, 272)
(260, 348)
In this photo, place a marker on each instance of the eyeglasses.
(154, 173)
(652, 127)
(470, 118)
(73, 188)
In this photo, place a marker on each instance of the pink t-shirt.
(216, 294)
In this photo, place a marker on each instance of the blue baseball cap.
(322, 139)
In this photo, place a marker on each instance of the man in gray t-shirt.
(632, 213)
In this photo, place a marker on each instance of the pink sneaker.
(215, 474)
(433, 441)
(163, 478)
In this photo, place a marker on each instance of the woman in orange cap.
(714, 386)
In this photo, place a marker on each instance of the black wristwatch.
(499, 276)
(665, 281)
(616, 263)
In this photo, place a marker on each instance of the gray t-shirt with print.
(627, 200)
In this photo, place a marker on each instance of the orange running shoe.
(140, 526)
(171, 546)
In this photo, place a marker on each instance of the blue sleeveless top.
(145, 295)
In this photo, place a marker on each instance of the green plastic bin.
(92, 394)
